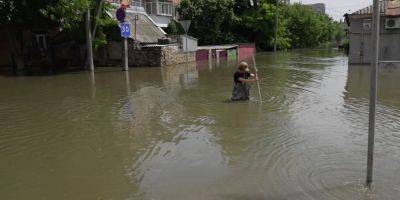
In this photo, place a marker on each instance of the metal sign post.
(373, 90)
(125, 33)
(185, 25)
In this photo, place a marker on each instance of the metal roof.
(217, 47)
(369, 10)
(158, 45)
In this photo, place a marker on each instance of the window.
(41, 41)
(165, 8)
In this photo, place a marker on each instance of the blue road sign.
(125, 30)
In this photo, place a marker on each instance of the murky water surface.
(170, 133)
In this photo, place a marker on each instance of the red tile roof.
(393, 8)
(388, 7)
(369, 10)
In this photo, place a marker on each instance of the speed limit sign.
(125, 30)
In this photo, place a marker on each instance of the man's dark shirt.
(238, 75)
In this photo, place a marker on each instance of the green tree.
(216, 22)
(174, 28)
(211, 19)
(68, 14)
(339, 32)
(17, 16)
(258, 25)
(308, 28)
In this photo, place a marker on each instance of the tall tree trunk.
(99, 6)
(16, 54)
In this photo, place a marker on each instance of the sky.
(337, 8)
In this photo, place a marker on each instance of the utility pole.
(136, 19)
(276, 25)
(89, 41)
(373, 90)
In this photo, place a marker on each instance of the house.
(160, 11)
(151, 46)
(32, 48)
(360, 24)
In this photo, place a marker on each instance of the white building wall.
(189, 43)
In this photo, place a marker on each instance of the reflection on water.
(169, 133)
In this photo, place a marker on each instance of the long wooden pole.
(258, 83)
(373, 90)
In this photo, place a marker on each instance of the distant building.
(153, 47)
(160, 11)
(318, 7)
(360, 24)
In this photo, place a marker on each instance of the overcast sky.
(337, 8)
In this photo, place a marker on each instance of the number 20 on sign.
(125, 30)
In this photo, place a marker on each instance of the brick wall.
(171, 55)
(151, 56)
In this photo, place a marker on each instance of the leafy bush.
(174, 28)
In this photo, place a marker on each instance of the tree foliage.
(28, 16)
(308, 28)
(174, 28)
(211, 19)
(19, 15)
(217, 22)
(258, 25)
(67, 13)
(24, 13)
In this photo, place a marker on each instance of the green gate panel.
(232, 54)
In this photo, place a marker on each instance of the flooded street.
(171, 133)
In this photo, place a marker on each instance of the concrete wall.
(186, 42)
(189, 44)
(159, 56)
(151, 56)
(361, 46)
(171, 55)
(145, 57)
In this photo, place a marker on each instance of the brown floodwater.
(170, 133)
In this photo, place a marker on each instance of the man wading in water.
(242, 79)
